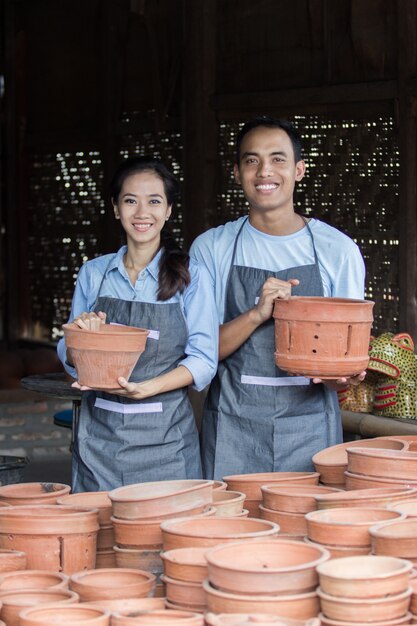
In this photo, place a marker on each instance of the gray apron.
(120, 441)
(256, 417)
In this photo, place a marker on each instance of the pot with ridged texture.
(157, 618)
(33, 493)
(105, 584)
(187, 564)
(73, 615)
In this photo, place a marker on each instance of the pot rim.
(367, 601)
(404, 567)
(167, 526)
(116, 495)
(208, 588)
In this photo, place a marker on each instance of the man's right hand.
(272, 288)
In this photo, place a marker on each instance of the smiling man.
(256, 417)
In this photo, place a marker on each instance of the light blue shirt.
(341, 265)
(196, 301)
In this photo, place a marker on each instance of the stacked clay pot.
(185, 569)
(250, 485)
(229, 503)
(397, 538)
(287, 505)
(375, 497)
(72, 615)
(365, 589)
(112, 583)
(346, 531)
(374, 467)
(33, 493)
(268, 576)
(105, 556)
(166, 617)
(14, 601)
(261, 619)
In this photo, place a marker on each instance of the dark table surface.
(54, 385)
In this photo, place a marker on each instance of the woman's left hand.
(339, 383)
(137, 391)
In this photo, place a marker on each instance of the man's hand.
(272, 288)
(339, 383)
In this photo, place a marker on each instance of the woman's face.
(142, 207)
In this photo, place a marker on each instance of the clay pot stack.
(185, 569)
(273, 577)
(346, 531)
(13, 602)
(32, 493)
(250, 485)
(105, 556)
(365, 589)
(261, 619)
(286, 505)
(373, 467)
(229, 504)
(397, 538)
(112, 583)
(375, 497)
(72, 615)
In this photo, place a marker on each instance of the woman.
(145, 430)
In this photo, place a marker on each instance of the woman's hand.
(90, 321)
(339, 383)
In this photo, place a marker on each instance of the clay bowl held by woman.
(157, 618)
(156, 499)
(361, 481)
(373, 497)
(293, 498)
(397, 464)
(241, 619)
(365, 609)
(102, 356)
(186, 564)
(332, 462)
(95, 499)
(405, 619)
(105, 584)
(364, 576)
(398, 538)
(250, 484)
(265, 567)
(207, 532)
(294, 523)
(13, 602)
(228, 503)
(33, 579)
(33, 493)
(12, 560)
(72, 614)
(346, 527)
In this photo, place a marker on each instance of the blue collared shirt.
(196, 301)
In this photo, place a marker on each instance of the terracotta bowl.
(13, 602)
(157, 618)
(265, 567)
(186, 564)
(297, 606)
(71, 614)
(252, 506)
(207, 532)
(33, 493)
(288, 522)
(326, 621)
(32, 579)
(219, 485)
(374, 497)
(156, 499)
(332, 462)
(12, 560)
(95, 499)
(360, 481)
(346, 527)
(413, 603)
(228, 503)
(105, 559)
(293, 498)
(364, 576)
(241, 619)
(148, 560)
(398, 538)
(104, 584)
(406, 507)
(365, 609)
(184, 593)
(337, 552)
(250, 484)
(129, 604)
(398, 464)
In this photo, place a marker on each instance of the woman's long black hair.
(174, 274)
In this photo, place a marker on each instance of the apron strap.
(232, 262)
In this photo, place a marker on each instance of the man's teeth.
(267, 187)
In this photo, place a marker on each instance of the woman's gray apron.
(256, 417)
(120, 441)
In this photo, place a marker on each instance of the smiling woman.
(121, 437)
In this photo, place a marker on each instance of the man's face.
(267, 169)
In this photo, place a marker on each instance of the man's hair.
(270, 122)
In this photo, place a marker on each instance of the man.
(257, 418)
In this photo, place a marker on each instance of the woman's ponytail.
(174, 274)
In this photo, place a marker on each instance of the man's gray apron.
(120, 441)
(256, 417)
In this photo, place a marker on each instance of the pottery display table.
(367, 425)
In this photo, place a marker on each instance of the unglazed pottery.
(365, 609)
(148, 560)
(13, 602)
(373, 497)
(184, 593)
(219, 485)
(129, 604)
(57, 538)
(73, 615)
(406, 507)
(207, 532)
(12, 560)
(293, 498)
(105, 584)
(156, 499)
(397, 464)
(326, 621)
(288, 522)
(228, 503)
(91, 499)
(157, 618)
(105, 559)
(186, 564)
(101, 357)
(32, 579)
(33, 493)
(322, 337)
(261, 619)
(364, 576)
(361, 481)
(346, 527)
(338, 552)
(398, 538)
(250, 484)
(265, 567)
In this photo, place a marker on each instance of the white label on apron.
(256, 300)
(269, 381)
(117, 407)
(153, 334)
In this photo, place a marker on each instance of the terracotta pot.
(53, 537)
(207, 532)
(325, 621)
(13, 602)
(294, 523)
(148, 560)
(364, 609)
(332, 462)
(298, 606)
(91, 499)
(364, 576)
(33, 493)
(195, 608)
(250, 484)
(105, 584)
(293, 498)
(73, 614)
(322, 337)
(186, 564)
(243, 513)
(12, 560)
(219, 485)
(157, 618)
(156, 499)
(101, 357)
(337, 552)
(105, 538)
(184, 593)
(397, 464)
(128, 604)
(105, 559)
(265, 567)
(228, 503)
(406, 507)
(398, 538)
(359, 481)
(252, 506)
(32, 579)
(346, 527)
(261, 619)
(374, 497)
(413, 603)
